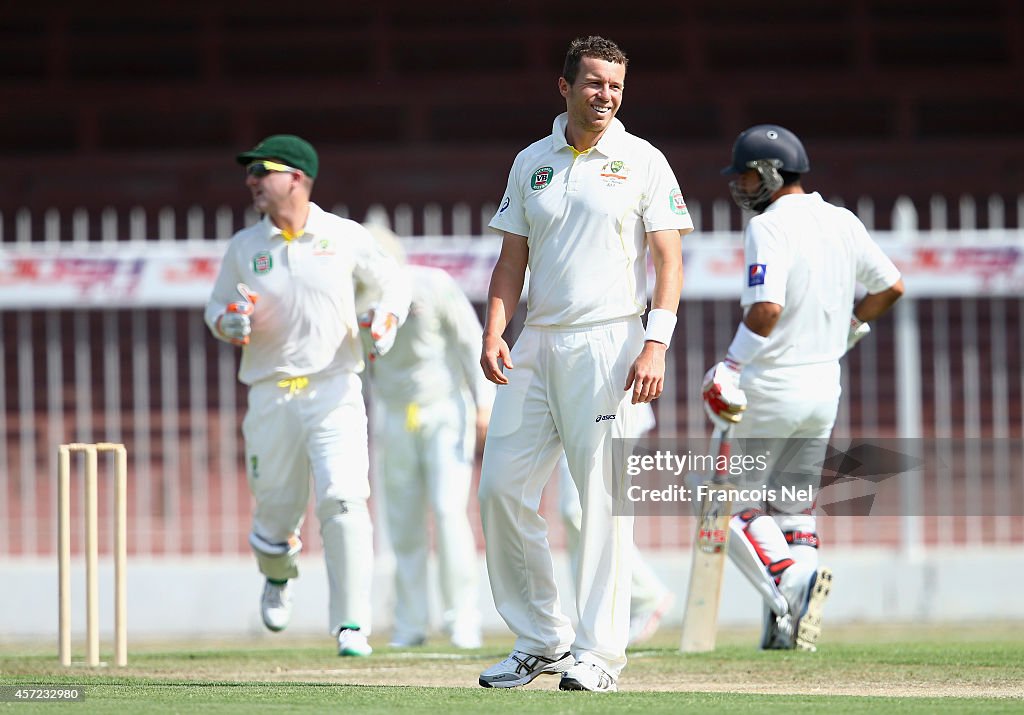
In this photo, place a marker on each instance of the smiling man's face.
(594, 98)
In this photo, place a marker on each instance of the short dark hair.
(592, 46)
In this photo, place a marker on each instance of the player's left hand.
(383, 328)
(858, 330)
(647, 373)
(724, 400)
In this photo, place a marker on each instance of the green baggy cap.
(287, 149)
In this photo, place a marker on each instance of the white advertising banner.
(181, 273)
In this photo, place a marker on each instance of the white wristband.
(745, 345)
(661, 324)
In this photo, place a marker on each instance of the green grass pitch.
(896, 669)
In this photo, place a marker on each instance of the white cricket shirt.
(808, 255)
(437, 350)
(585, 216)
(305, 322)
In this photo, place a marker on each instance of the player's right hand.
(495, 355)
(378, 330)
(724, 401)
(234, 324)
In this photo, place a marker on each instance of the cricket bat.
(710, 548)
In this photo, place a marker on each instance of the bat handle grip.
(721, 445)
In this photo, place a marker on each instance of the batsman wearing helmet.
(286, 294)
(779, 383)
(581, 209)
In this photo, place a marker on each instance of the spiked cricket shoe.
(352, 642)
(589, 677)
(520, 668)
(276, 605)
(808, 628)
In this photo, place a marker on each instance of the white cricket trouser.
(564, 382)
(790, 416)
(793, 411)
(646, 589)
(318, 427)
(426, 458)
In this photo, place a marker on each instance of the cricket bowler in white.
(780, 378)
(425, 441)
(286, 294)
(582, 208)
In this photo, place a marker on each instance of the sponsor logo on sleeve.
(755, 274)
(541, 178)
(504, 205)
(676, 202)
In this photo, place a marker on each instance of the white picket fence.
(155, 380)
(942, 215)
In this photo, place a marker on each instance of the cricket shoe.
(399, 640)
(276, 605)
(352, 642)
(645, 621)
(520, 668)
(587, 676)
(466, 637)
(808, 627)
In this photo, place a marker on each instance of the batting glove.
(858, 330)
(724, 401)
(382, 328)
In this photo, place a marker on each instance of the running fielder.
(778, 385)
(301, 356)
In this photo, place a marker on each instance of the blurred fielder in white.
(780, 377)
(649, 598)
(425, 441)
(286, 294)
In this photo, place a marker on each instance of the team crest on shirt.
(541, 178)
(323, 247)
(615, 173)
(676, 202)
(262, 263)
(755, 274)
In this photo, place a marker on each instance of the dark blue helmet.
(768, 142)
(768, 149)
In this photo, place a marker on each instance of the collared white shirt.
(304, 321)
(808, 256)
(585, 216)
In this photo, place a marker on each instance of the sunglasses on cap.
(261, 168)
